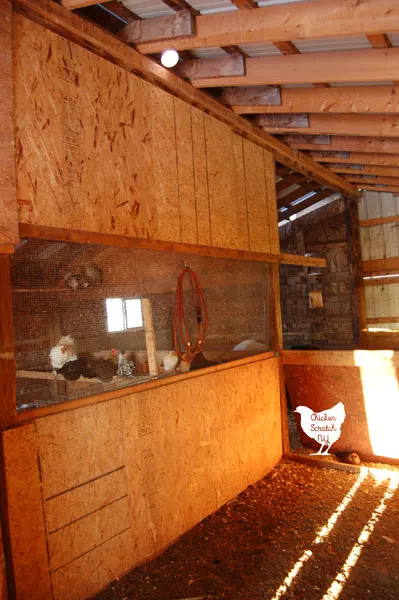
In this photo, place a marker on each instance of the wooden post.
(7, 359)
(355, 265)
(149, 336)
(8, 193)
(276, 343)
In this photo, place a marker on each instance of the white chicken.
(170, 361)
(324, 426)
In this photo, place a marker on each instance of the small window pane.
(114, 308)
(133, 313)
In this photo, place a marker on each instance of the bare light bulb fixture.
(169, 58)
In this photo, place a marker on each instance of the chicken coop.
(194, 259)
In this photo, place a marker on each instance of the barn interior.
(188, 253)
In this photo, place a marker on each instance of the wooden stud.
(356, 271)
(148, 30)
(286, 48)
(379, 40)
(351, 99)
(86, 34)
(8, 194)
(315, 67)
(149, 337)
(7, 356)
(304, 20)
(224, 66)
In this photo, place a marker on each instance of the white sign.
(324, 426)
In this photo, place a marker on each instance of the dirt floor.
(301, 533)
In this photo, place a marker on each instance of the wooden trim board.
(373, 359)
(85, 237)
(38, 413)
(379, 221)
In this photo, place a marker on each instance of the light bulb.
(169, 58)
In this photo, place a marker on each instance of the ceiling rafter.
(293, 210)
(287, 22)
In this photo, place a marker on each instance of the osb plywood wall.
(99, 149)
(379, 242)
(115, 483)
(323, 232)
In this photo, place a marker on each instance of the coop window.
(123, 314)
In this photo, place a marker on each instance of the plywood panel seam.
(39, 467)
(194, 181)
(177, 165)
(246, 198)
(92, 512)
(207, 183)
(91, 549)
(82, 484)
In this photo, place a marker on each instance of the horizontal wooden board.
(348, 99)
(344, 358)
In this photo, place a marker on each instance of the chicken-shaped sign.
(324, 426)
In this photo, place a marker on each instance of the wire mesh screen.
(90, 318)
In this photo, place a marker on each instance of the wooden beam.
(181, 5)
(376, 180)
(303, 20)
(372, 320)
(74, 4)
(293, 210)
(316, 67)
(379, 40)
(283, 121)
(379, 188)
(287, 182)
(378, 359)
(365, 169)
(120, 10)
(361, 99)
(221, 66)
(8, 195)
(388, 160)
(108, 46)
(8, 405)
(377, 265)
(170, 26)
(296, 194)
(346, 143)
(350, 124)
(245, 4)
(256, 96)
(379, 221)
(105, 239)
(286, 48)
